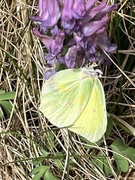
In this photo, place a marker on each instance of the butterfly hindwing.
(91, 124)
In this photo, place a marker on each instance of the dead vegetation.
(26, 134)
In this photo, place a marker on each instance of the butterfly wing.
(92, 122)
(65, 95)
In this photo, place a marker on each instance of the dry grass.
(25, 134)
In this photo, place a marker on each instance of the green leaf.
(123, 124)
(127, 151)
(120, 152)
(42, 172)
(58, 161)
(50, 140)
(39, 171)
(48, 176)
(109, 127)
(41, 158)
(130, 153)
(101, 161)
(2, 91)
(1, 113)
(122, 164)
(7, 106)
(7, 96)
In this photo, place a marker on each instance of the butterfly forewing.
(65, 95)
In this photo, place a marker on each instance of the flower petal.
(47, 40)
(79, 9)
(49, 13)
(93, 26)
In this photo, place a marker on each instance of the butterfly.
(75, 99)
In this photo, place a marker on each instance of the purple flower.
(105, 44)
(68, 21)
(74, 32)
(93, 26)
(92, 12)
(47, 40)
(54, 45)
(49, 13)
(106, 10)
(72, 10)
(49, 73)
(57, 43)
(90, 4)
(70, 57)
(79, 9)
